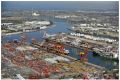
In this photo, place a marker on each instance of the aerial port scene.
(59, 40)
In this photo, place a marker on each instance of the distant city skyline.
(61, 5)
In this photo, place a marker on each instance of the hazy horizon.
(61, 5)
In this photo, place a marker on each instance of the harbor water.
(61, 26)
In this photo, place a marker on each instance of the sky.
(61, 5)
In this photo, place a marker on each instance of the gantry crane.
(84, 55)
(34, 40)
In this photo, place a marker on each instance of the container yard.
(47, 60)
(45, 64)
(44, 43)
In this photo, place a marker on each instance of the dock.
(38, 45)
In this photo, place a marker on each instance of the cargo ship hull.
(104, 55)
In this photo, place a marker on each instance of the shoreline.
(8, 34)
(13, 33)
